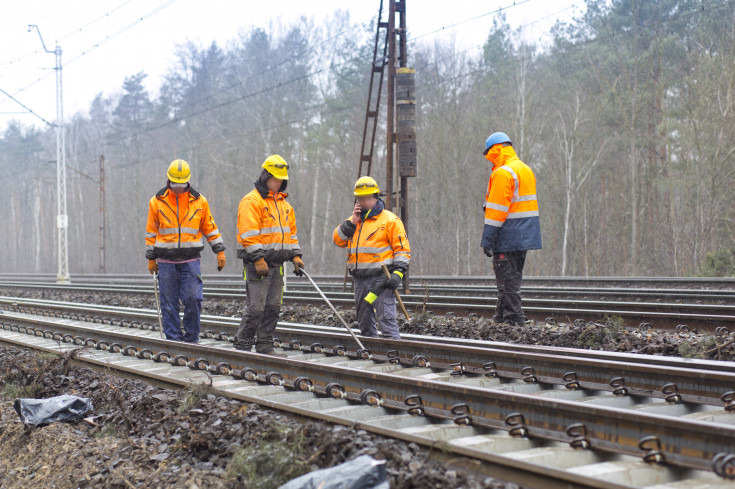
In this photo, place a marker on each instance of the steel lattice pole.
(62, 223)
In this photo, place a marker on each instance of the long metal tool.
(158, 303)
(333, 309)
(398, 296)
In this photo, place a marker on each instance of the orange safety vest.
(378, 239)
(511, 208)
(266, 227)
(176, 224)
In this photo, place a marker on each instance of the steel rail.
(656, 438)
(228, 287)
(695, 314)
(457, 279)
(224, 327)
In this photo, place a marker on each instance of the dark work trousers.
(384, 307)
(181, 281)
(508, 268)
(262, 307)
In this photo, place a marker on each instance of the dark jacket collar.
(264, 192)
(375, 211)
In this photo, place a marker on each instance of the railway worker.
(178, 216)
(511, 224)
(266, 236)
(374, 237)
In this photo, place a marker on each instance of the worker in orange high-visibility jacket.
(266, 237)
(178, 216)
(374, 236)
(511, 224)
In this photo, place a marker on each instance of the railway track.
(481, 289)
(542, 417)
(700, 309)
(417, 281)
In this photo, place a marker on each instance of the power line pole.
(102, 214)
(62, 219)
(391, 105)
(401, 122)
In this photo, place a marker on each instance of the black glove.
(488, 252)
(395, 281)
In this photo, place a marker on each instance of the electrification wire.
(104, 16)
(25, 107)
(103, 41)
(471, 48)
(75, 31)
(496, 11)
(122, 31)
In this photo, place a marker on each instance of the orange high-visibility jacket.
(511, 208)
(176, 224)
(379, 238)
(266, 227)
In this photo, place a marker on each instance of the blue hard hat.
(496, 138)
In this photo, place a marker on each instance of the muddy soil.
(609, 334)
(145, 436)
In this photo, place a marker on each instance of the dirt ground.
(145, 436)
(609, 334)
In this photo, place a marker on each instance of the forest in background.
(627, 118)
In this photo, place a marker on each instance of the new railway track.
(539, 416)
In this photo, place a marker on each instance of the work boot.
(243, 345)
(265, 345)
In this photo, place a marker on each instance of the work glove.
(220, 261)
(488, 252)
(370, 298)
(261, 268)
(298, 266)
(152, 266)
(395, 280)
(377, 289)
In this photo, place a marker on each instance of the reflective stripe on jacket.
(176, 224)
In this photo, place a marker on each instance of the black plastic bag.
(363, 472)
(40, 412)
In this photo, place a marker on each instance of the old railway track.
(539, 416)
(417, 281)
(701, 309)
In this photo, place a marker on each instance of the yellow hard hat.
(366, 186)
(276, 166)
(179, 171)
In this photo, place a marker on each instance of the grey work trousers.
(263, 307)
(384, 308)
(508, 268)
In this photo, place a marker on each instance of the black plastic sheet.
(40, 412)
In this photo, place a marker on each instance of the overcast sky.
(103, 41)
